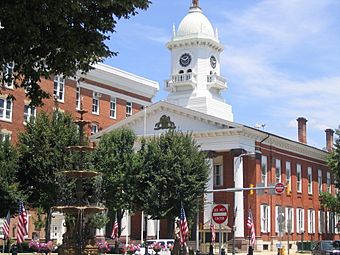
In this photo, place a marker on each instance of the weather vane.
(195, 3)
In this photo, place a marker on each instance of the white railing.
(215, 78)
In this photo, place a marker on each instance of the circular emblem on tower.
(185, 59)
(213, 61)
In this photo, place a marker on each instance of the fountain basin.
(71, 209)
(80, 174)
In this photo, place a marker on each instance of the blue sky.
(281, 58)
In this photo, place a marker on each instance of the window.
(30, 113)
(5, 135)
(113, 107)
(310, 180)
(289, 174)
(328, 182)
(94, 128)
(311, 221)
(264, 170)
(8, 75)
(78, 98)
(300, 220)
(95, 103)
(6, 109)
(277, 170)
(218, 175)
(59, 88)
(321, 221)
(265, 218)
(298, 178)
(279, 219)
(128, 109)
(331, 222)
(289, 220)
(320, 180)
(1, 229)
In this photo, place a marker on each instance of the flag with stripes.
(22, 223)
(184, 229)
(213, 233)
(114, 234)
(250, 225)
(5, 226)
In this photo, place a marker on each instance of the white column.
(238, 197)
(209, 197)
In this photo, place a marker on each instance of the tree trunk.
(48, 225)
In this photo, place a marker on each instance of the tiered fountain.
(79, 238)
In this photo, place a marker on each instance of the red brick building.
(108, 94)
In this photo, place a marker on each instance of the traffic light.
(288, 188)
(251, 191)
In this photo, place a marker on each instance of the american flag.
(213, 234)
(250, 225)
(22, 224)
(5, 226)
(184, 231)
(114, 234)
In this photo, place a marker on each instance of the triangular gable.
(182, 118)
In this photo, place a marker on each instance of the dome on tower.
(195, 23)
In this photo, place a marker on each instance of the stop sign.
(279, 188)
(219, 214)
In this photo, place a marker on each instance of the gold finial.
(195, 3)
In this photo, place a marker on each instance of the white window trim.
(264, 163)
(78, 98)
(128, 113)
(220, 166)
(329, 182)
(5, 133)
(278, 169)
(9, 66)
(59, 80)
(95, 102)
(310, 180)
(96, 128)
(300, 228)
(319, 180)
(113, 100)
(299, 170)
(6, 101)
(311, 221)
(265, 222)
(291, 210)
(289, 167)
(29, 113)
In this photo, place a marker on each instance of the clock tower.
(195, 80)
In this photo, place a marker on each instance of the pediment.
(162, 115)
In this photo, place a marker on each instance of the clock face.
(185, 59)
(213, 61)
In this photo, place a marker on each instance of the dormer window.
(189, 71)
(181, 71)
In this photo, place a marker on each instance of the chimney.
(302, 133)
(329, 139)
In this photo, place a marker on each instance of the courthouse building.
(241, 156)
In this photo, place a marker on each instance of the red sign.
(279, 188)
(219, 214)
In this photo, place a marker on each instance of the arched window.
(181, 71)
(189, 71)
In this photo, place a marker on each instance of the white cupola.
(195, 80)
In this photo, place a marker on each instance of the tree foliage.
(328, 200)
(116, 160)
(43, 155)
(174, 171)
(45, 37)
(9, 188)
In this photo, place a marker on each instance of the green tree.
(115, 158)
(43, 155)
(328, 200)
(45, 37)
(174, 171)
(9, 189)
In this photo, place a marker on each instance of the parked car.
(326, 247)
